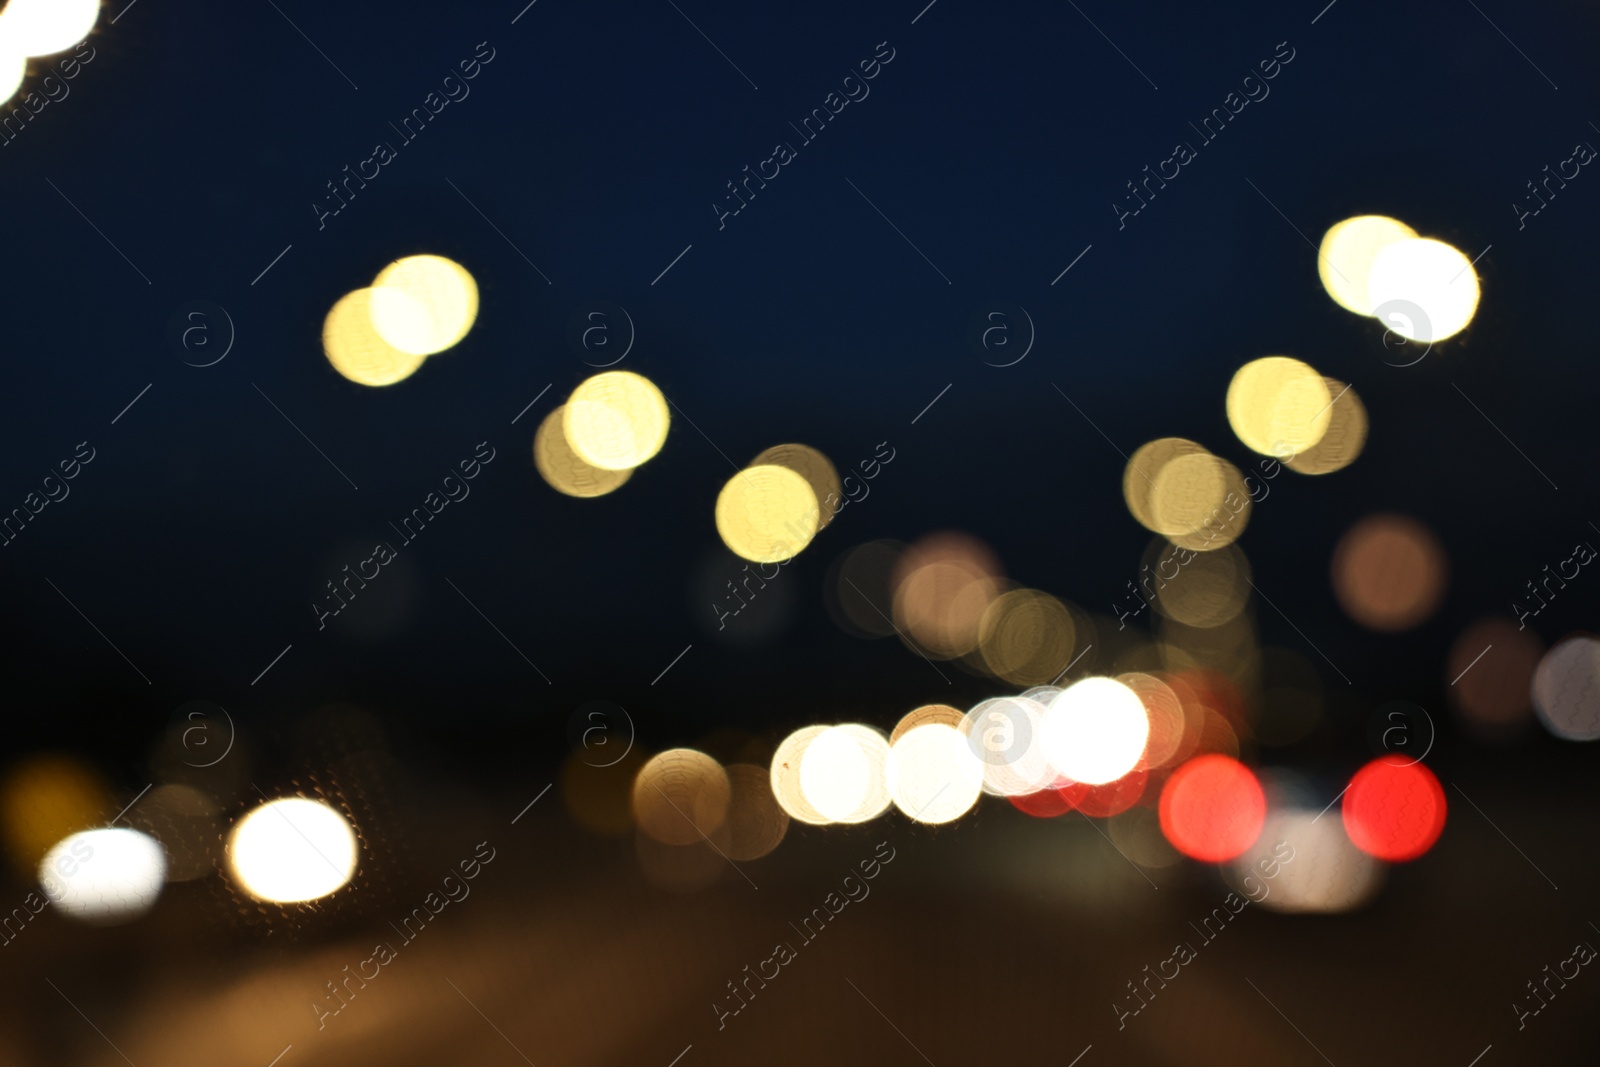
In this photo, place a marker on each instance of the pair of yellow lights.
(416, 307)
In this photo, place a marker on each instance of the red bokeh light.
(1394, 809)
(1212, 808)
(1112, 798)
(1047, 803)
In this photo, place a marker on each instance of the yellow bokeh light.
(1095, 731)
(936, 777)
(1347, 434)
(1026, 637)
(1279, 406)
(1344, 261)
(767, 514)
(44, 27)
(681, 796)
(355, 349)
(423, 304)
(564, 469)
(46, 798)
(845, 773)
(292, 849)
(926, 715)
(1145, 466)
(1422, 289)
(756, 822)
(785, 776)
(1207, 591)
(814, 467)
(616, 420)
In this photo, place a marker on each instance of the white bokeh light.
(1004, 733)
(44, 27)
(104, 876)
(291, 850)
(844, 773)
(936, 778)
(1422, 289)
(1095, 731)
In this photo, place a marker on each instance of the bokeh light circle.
(1344, 262)
(766, 514)
(845, 773)
(785, 776)
(1095, 731)
(681, 796)
(423, 304)
(44, 27)
(1278, 406)
(1394, 809)
(1212, 808)
(1389, 572)
(936, 777)
(104, 876)
(816, 468)
(616, 420)
(1566, 689)
(292, 849)
(355, 349)
(563, 469)
(1346, 435)
(1431, 284)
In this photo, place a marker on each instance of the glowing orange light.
(1212, 808)
(1394, 809)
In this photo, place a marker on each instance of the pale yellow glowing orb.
(355, 349)
(936, 776)
(616, 420)
(44, 27)
(845, 773)
(1095, 731)
(816, 468)
(423, 304)
(1422, 289)
(1344, 261)
(292, 849)
(564, 469)
(1347, 433)
(767, 514)
(1279, 406)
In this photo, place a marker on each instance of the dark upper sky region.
(187, 166)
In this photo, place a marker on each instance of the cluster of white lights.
(1092, 732)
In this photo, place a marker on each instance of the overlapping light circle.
(1344, 262)
(936, 777)
(1423, 289)
(616, 420)
(563, 469)
(767, 514)
(845, 773)
(416, 307)
(1279, 406)
(424, 304)
(1095, 730)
